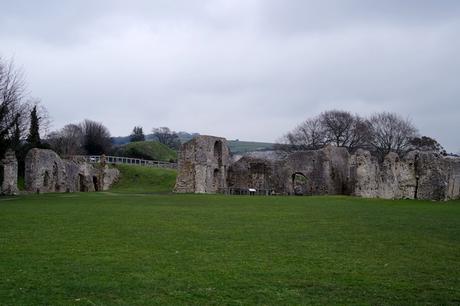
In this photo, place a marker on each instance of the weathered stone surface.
(203, 164)
(318, 172)
(10, 174)
(325, 171)
(109, 177)
(45, 172)
(260, 174)
(329, 171)
(419, 175)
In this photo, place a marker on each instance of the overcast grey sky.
(247, 69)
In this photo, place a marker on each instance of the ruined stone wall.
(419, 175)
(9, 185)
(323, 172)
(326, 171)
(329, 171)
(258, 173)
(392, 179)
(45, 172)
(203, 164)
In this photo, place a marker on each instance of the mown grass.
(140, 179)
(141, 249)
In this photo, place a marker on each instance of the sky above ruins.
(247, 69)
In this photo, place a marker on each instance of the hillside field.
(137, 179)
(151, 150)
(141, 245)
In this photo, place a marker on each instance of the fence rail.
(96, 159)
(247, 191)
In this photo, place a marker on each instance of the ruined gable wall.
(203, 165)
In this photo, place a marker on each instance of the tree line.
(163, 135)
(381, 133)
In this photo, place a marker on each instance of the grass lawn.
(137, 249)
(139, 179)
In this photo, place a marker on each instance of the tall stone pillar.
(10, 174)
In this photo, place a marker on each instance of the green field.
(129, 247)
(136, 179)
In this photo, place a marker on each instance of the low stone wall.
(45, 172)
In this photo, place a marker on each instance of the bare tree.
(338, 128)
(96, 137)
(391, 133)
(309, 135)
(68, 141)
(167, 137)
(344, 129)
(15, 110)
(12, 92)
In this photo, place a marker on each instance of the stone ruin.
(45, 172)
(205, 167)
(9, 185)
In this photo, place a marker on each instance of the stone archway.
(300, 184)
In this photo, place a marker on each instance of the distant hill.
(236, 146)
(146, 150)
(121, 140)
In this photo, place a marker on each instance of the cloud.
(241, 69)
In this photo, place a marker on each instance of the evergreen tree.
(137, 134)
(16, 135)
(34, 131)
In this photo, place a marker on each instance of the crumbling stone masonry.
(203, 165)
(45, 172)
(10, 174)
(329, 171)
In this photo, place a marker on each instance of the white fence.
(129, 161)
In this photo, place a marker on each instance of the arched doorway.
(300, 184)
(96, 183)
(82, 183)
(216, 180)
(46, 180)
